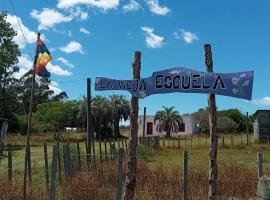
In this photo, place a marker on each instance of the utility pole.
(213, 168)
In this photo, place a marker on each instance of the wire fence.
(95, 175)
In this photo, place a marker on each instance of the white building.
(188, 128)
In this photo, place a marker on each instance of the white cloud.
(132, 6)
(189, 37)
(55, 87)
(156, 8)
(73, 47)
(55, 69)
(24, 64)
(263, 101)
(30, 36)
(152, 40)
(49, 17)
(65, 62)
(77, 12)
(85, 31)
(101, 4)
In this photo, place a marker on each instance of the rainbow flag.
(43, 58)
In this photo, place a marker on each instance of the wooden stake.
(144, 119)
(132, 159)
(89, 131)
(247, 127)
(213, 168)
(27, 160)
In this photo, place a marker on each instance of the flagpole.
(27, 161)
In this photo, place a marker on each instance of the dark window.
(149, 130)
(182, 127)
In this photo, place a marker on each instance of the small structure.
(188, 127)
(261, 126)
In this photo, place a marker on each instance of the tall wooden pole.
(213, 168)
(27, 161)
(247, 127)
(132, 159)
(144, 119)
(89, 120)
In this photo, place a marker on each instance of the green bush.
(144, 151)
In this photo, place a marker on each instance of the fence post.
(67, 161)
(46, 165)
(126, 145)
(106, 152)
(231, 141)
(87, 154)
(112, 151)
(79, 155)
(198, 140)
(260, 164)
(223, 143)
(59, 163)
(119, 175)
(163, 141)
(94, 153)
(9, 164)
(185, 141)
(191, 141)
(100, 151)
(185, 189)
(53, 173)
(179, 144)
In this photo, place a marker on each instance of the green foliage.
(144, 151)
(9, 53)
(226, 124)
(169, 120)
(55, 115)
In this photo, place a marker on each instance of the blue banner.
(180, 79)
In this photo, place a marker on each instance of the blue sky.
(89, 38)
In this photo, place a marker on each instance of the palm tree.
(101, 116)
(169, 120)
(120, 108)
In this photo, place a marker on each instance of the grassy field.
(236, 161)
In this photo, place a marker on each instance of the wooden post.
(46, 165)
(126, 144)
(79, 155)
(53, 174)
(59, 163)
(179, 144)
(112, 151)
(185, 185)
(260, 164)
(247, 128)
(213, 168)
(105, 148)
(94, 152)
(231, 141)
(119, 175)
(144, 120)
(223, 143)
(9, 165)
(27, 159)
(132, 159)
(89, 120)
(100, 151)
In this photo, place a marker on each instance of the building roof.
(261, 111)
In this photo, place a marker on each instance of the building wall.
(190, 127)
(262, 124)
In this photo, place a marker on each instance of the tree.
(226, 124)
(9, 53)
(101, 116)
(54, 116)
(236, 116)
(120, 108)
(201, 119)
(169, 120)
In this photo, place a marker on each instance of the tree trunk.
(213, 168)
(132, 160)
